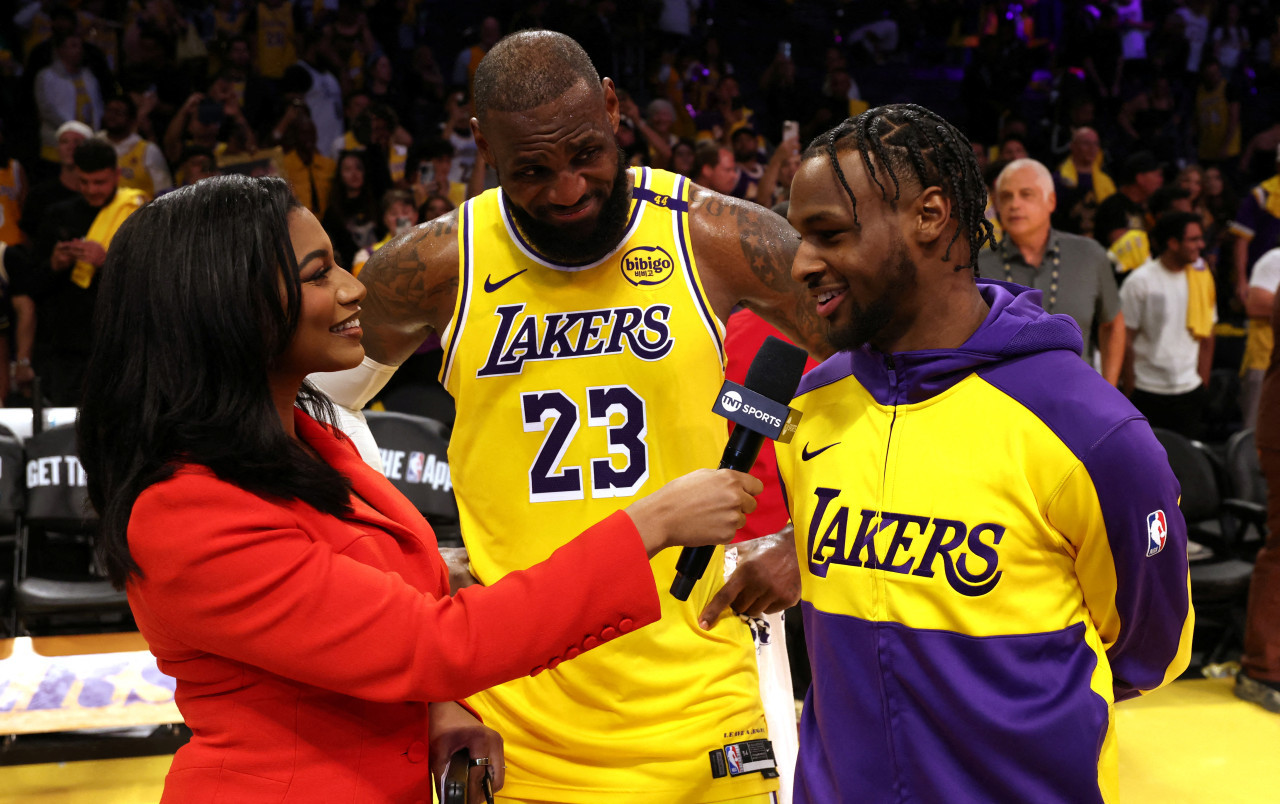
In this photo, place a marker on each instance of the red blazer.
(305, 646)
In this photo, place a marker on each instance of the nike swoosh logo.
(491, 286)
(805, 454)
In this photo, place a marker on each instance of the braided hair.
(906, 137)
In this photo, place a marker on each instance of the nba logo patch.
(1157, 532)
(734, 752)
(417, 460)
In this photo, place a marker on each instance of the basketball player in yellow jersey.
(580, 307)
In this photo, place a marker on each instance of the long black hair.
(199, 296)
(908, 142)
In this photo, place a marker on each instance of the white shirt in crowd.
(1230, 43)
(1196, 31)
(324, 100)
(1266, 271)
(1166, 357)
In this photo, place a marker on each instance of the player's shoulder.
(707, 205)
(723, 222)
(1066, 395)
(415, 277)
(433, 244)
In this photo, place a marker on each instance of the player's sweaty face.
(558, 162)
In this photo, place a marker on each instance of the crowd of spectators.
(1136, 107)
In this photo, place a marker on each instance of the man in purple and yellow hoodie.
(988, 532)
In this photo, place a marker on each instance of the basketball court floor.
(1193, 742)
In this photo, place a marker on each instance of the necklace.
(1053, 277)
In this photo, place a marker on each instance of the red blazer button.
(626, 625)
(554, 663)
(417, 751)
(590, 642)
(537, 670)
(572, 652)
(609, 633)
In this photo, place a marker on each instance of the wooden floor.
(1192, 743)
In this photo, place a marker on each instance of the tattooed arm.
(413, 284)
(744, 253)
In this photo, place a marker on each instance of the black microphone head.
(776, 370)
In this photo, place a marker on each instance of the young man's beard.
(578, 243)
(875, 323)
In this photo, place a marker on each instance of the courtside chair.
(1219, 574)
(415, 458)
(11, 502)
(1248, 486)
(59, 588)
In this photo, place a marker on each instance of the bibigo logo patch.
(645, 266)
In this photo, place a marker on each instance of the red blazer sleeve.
(232, 574)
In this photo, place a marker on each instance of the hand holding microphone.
(706, 506)
(759, 410)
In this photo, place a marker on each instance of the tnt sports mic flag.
(757, 412)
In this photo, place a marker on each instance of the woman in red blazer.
(297, 598)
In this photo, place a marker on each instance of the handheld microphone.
(759, 410)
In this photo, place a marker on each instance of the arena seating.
(44, 505)
(1218, 526)
(415, 458)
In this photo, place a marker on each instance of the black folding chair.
(1219, 575)
(59, 588)
(415, 458)
(11, 504)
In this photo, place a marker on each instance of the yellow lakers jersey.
(276, 50)
(133, 169)
(11, 181)
(579, 390)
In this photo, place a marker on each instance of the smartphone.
(453, 782)
(790, 130)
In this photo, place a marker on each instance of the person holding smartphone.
(298, 599)
(55, 299)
